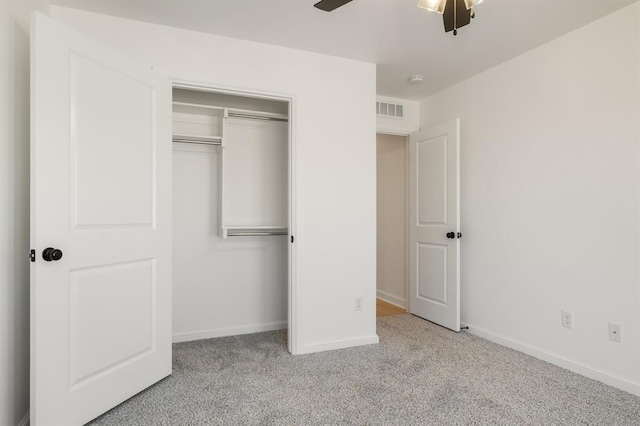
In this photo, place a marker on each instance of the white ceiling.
(395, 34)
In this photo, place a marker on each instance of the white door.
(434, 224)
(101, 194)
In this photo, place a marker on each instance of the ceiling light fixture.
(455, 13)
(433, 5)
(471, 3)
(416, 79)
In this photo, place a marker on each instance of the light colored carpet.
(419, 374)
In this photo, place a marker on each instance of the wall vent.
(385, 109)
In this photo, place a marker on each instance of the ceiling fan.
(455, 13)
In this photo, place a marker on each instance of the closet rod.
(256, 117)
(197, 142)
(255, 234)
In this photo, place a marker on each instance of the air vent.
(385, 109)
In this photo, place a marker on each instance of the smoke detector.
(416, 79)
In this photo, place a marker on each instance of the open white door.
(434, 224)
(101, 195)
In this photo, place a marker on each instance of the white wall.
(335, 158)
(221, 287)
(392, 218)
(396, 126)
(550, 193)
(14, 211)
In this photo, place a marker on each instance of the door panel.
(434, 259)
(432, 181)
(101, 192)
(432, 273)
(111, 318)
(110, 133)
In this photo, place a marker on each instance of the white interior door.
(101, 194)
(434, 224)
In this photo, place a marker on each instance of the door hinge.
(32, 255)
(292, 238)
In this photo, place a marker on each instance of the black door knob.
(451, 235)
(51, 254)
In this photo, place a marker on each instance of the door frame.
(406, 136)
(292, 285)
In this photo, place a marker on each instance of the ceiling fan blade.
(456, 15)
(329, 5)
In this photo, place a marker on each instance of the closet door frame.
(292, 300)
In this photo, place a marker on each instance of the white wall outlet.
(358, 303)
(567, 319)
(614, 332)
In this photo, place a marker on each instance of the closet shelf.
(256, 115)
(193, 105)
(197, 139)
(237, 112)
(254, 231)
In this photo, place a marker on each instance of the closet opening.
(392, 176)
(232, 214)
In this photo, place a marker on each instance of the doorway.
(392, 153)
(231, 213)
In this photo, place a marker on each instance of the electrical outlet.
(614, 333)
(358, 303)
(567, 319)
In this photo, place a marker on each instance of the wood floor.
(384, 309)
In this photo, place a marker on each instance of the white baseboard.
(224, 332)
(592, 373)
(390, 298)
(25, 420)
(342, 344)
